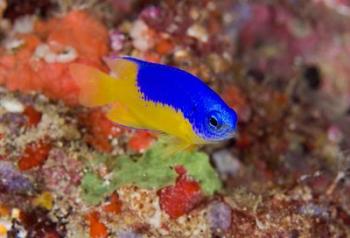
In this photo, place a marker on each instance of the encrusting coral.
(40, 59)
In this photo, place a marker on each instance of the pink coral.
(61, 172)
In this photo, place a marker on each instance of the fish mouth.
(223, 138)
(231, 135)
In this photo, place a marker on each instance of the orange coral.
(24, 70)
(165, 46)
(114, 206)
(100, 130)
(79, 30)
(152, 57)
(141, 141)
(97, 228)
(34, 155)
(33, 116)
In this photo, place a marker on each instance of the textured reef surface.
(67, 171)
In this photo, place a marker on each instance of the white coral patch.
(198, 32)
(24, 24)
(44, 51)
(11, 105)
(140, 33)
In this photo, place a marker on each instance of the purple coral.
(315, 210)
(13, 121)
(128, 234)
(12, 181)
(219, 217)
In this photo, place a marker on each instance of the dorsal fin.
(122, 67)
(98, 88)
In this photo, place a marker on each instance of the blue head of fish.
(216, 121)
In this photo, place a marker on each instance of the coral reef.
(67, 171)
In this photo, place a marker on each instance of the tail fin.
(96, 87)
(119, 92)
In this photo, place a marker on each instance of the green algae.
(152, 170)
(93, 188)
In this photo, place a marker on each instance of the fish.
(158, 97)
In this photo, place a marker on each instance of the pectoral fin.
(122, 115)
(175, 145)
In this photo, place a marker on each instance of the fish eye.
(214, 121)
